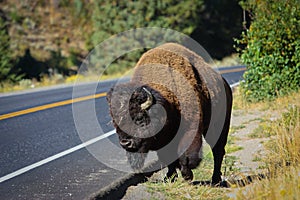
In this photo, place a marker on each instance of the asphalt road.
(32, 136)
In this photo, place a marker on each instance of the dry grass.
(284, 186)
(183, 190)
(232, 60)
(280, 104)
(25, 84)
(56, 79)
(284, 150)
(282, 160)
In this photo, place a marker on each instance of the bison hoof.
(187, 175)
(223, 184)
(217, 181)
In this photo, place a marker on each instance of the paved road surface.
(27, 139)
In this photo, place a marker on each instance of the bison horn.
(149, 100)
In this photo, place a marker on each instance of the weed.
(234, 129)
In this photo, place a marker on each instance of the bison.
(173, 99)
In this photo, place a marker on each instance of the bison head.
(140, 115)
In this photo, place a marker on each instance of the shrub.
(272, 45)
(5, 54)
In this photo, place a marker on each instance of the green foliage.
(61, 64)
(5, 55)
(113, 17)
(272, 46)
(15, 16)
(207, 21)
(4, 51)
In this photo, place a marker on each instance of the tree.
(5, 53)
(271, 49)
(113, 17)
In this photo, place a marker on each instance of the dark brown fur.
(179, 81)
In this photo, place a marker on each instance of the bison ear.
(149, 101)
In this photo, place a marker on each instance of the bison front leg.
(165, 157)
(185, 169)
(172, 173)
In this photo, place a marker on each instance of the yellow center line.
(70, 101)
(51, 105)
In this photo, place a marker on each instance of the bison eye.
(141, 119)
(139, 116)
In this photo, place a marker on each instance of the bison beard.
(136, 160)
(149, 117)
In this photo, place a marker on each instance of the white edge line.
(66, 152)
(56, 156)
(234, 84)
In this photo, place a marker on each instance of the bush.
(5, 54)
(272, 46)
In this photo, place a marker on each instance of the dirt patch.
(252, 148)
(140, 192)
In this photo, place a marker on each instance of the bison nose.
(127, 143)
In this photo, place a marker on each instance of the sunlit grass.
(234, 129)
(279, 104)
(57, 79)
(284, 186)
(282, 161)
(184, 190)
(263, 130)
(232, 60)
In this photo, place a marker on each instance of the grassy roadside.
(184, 190)
(280, 161)
(56, 79)
(45, 81)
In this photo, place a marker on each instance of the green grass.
(231, 146)
(183, 190)
(264, 130)
(234, 129)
